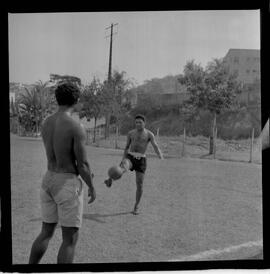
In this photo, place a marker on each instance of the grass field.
(191, 208)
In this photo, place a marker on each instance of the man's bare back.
(57, 133)
(61, 192)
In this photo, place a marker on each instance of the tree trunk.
(184, 143)
(116, 134)
(251, 146)
(36, 126)
(18, 127)
(212, 135)
(95, 126)
(107, 126)
(106, 122)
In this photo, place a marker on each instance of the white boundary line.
(219, 252)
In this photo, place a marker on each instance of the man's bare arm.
(155, 146)
(82, 162)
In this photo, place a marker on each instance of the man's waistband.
(137, 155)
(68, 174)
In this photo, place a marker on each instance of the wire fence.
(184, 145)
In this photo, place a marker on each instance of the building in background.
(164, 91)
(12, 96)
(17, 88)
(167, 91)
(245, 63)
(14, 90)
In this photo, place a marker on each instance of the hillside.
(163, 113)
(167, 84)
(230, 124)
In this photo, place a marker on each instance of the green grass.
(189, 205)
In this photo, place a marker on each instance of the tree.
(13, 109)
(93, 102)
(213, 89)
(34, 105)
(120, 104)
(14, 116)
(114, 93)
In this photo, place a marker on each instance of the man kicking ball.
(134, 157)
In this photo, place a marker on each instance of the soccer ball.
(115, 172)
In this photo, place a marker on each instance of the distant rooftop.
(253, 52)
(245, 49)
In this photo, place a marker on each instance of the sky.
(147, 45)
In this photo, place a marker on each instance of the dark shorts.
(138, 164)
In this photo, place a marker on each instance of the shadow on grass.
(220, 158)
(93, 217)
(149, 155)
(99, 217)
(206, 156)
(31, 139)
(40, 220)
(26, 138)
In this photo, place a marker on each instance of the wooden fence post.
(116, 137)
(97, 136)
(251, 146)
(215, 142)
(184, 143)
(87, 136)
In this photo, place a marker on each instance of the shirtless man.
(137, 142)
(62, 189)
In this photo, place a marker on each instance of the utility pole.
(109, 75)
(110, 55)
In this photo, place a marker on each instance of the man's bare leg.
(67, 248)
(41, 243)
(139, 191)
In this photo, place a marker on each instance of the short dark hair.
(140, 116)
(67, 94)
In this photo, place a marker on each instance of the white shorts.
(61, 197)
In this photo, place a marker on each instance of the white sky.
(147, 44)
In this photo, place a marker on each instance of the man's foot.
(108, 182)
(135, 211)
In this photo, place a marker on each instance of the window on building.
(236, 59)
(248, 59)
(247, 70)
(254, 71)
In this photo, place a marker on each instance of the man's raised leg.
(67, 248)
(40, 245)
